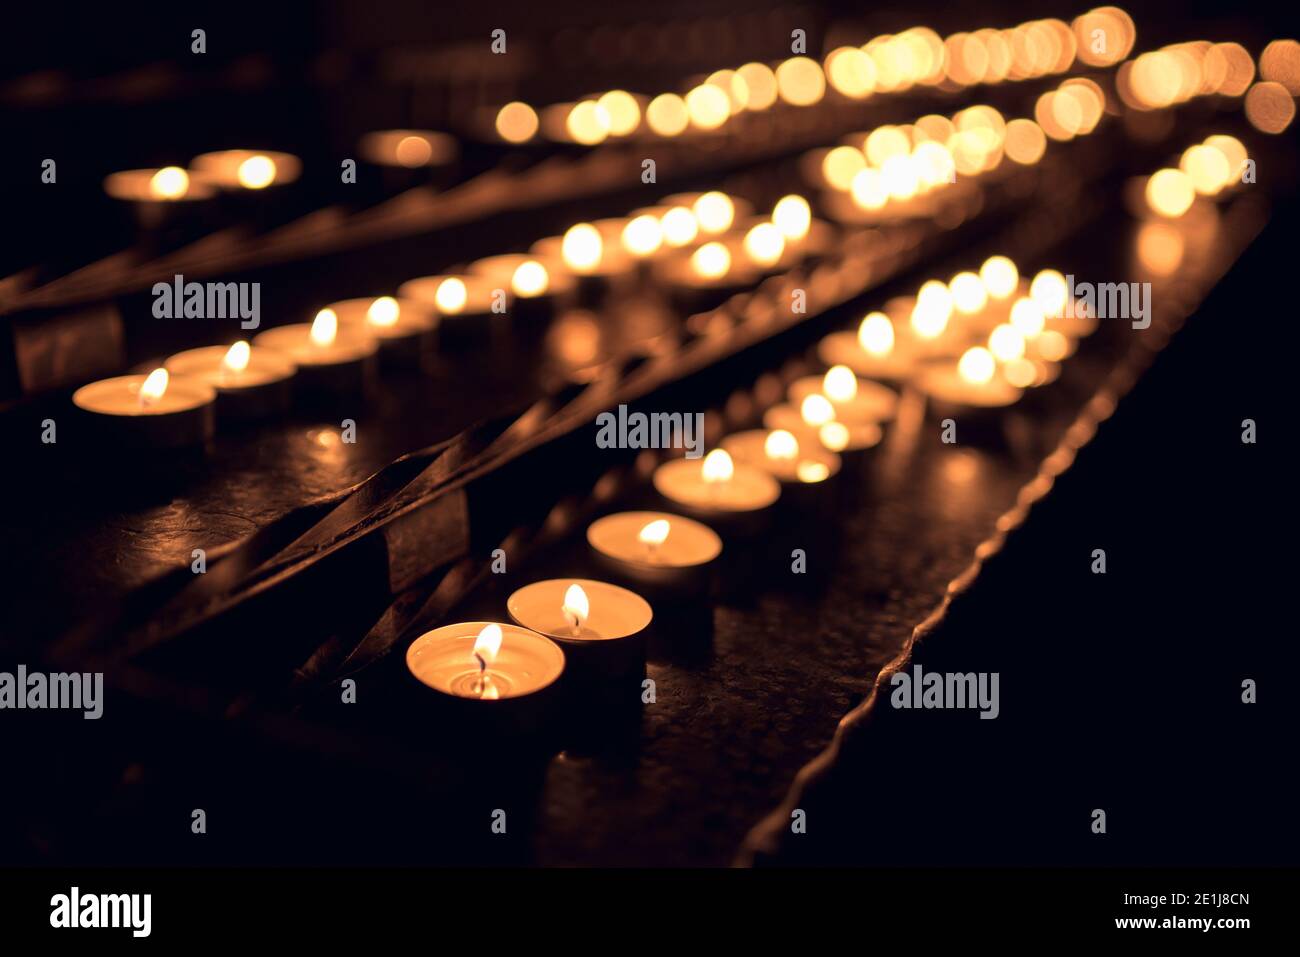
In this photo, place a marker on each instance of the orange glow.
(384, 311)
(451, 296)
(841, 164)
(488, 644)
(1207, 168)
(800, 81)
(1006, 343)
(170, 182)
(256, 172)
(623, 111)
(1280, 63)
(708, 107)
(587, 123)
(1269, 107)
(717, 467)
(1025, 142)
(869, 190)
(764, 244)
(1160, 248)
(530, 279)
(840, 384)
(977, 366)
(816, 410)
(968, 293)
(1170, 192)
(932, 311)
(576, 606)
(1000, 276)
(517, 122)
(760, 81)
(643, 235)
(851, 72)
(582, 248)
(654, 533)
(876, 334)
(792, 216)
(1028, 318)
(153, 387)
(811, 472)
(679, 227)
(780, 445)
(1050, 291)
(667, 115)
(413, 151)
(711, 261)
(324, 328)
(715, 212)
(237, 356)
(834, 435)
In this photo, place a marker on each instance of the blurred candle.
(157, 410)
(329, 358)
(250, 383)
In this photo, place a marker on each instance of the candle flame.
(170, 182)
(1050, 290)
(792, 216)
(582, 247)
(324, 328)
(451, 296)
(811, 472)
(237, 356)
(488, 644)
(932, 311)
(781, 444)
(715, 212)
(643, 235)
(530, 279)
(840, 384)
(384, 312)
(576, 607)
(153, 387)
(717, 467)
(816, 410)
(876, 334)
(1027, 316)
(256, 172)
(976, 365)
(654, 533)
(712, 260)
(765, 244)
(834, 435)
(1000, 276)
(679, 226)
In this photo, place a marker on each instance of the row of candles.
(705, 244)
(1025, 327)
(890, 63)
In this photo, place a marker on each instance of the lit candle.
(600, 626)
(875, 349)
(403, 327)
(330, 358)
(715, 487)
(656, 548)
(150, 411)
(408, 149)
(247, 169)
(511, 669)
(973, 382)
(531, 286)
(250, 383)
(780, 453)
(171, 184)
(814, 419)
(853, 400)
(462, 303)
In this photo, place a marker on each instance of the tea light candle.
(531, 285)
(329, 358)
(656, 548)
(600, 626)
(250, 383)
(463, 303)
(715, 486)
(408, 149)
(402, 326)
(780, 453)
(170, 184)
(505, 666)
(973, 382)
(875, 350)
(157, 410)
(851, 399)
(705, 276)
(815, 421)
(247, 169)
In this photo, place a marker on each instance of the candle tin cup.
(170, 206)
(263, 387)
(250, 182)
(607, 645)
(845, 349)
(345, 366)
(738, 505)
(692, 290)
(667, 553)
(980, 408)
(469, 311)
(410, 158)
(870, 402)
(404, 328)
(521, 690)
(532, 286)
(182, 417)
